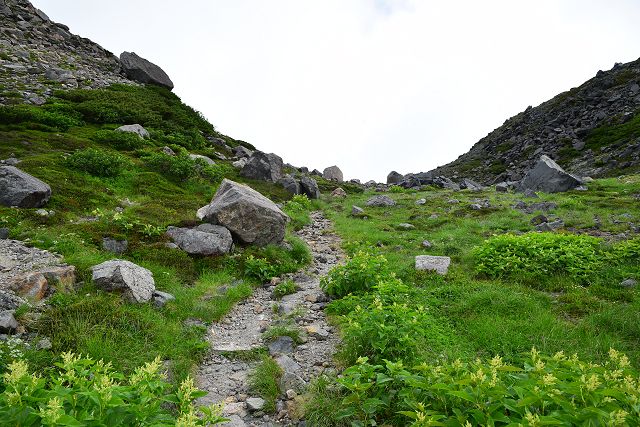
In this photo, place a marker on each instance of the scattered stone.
(137, 129)
(356, 211)
(20, 189)
(421, 202)
(4, 233)
(471, 185)
(255, 404)
(530, 194)
(281, 345)
(160, 299)
(8, 323)
(239, 164)
(205, 239)
(209, 161)
(426, 244)
(550, 226)
(291, 394)
(549, 177)
(168, 151)
(116, 246)
(248, 215)
(381, 201)
(439, 264)
(143, 71)
(539, 219)
(43, 213)
(134, 282)
(333, 173)
(242, 152)
(263, 166)
(309, 186)
(339, 193)
(406, 226)
(629, 283)
(394, 178)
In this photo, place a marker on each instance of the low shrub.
(298, 210)
(264, 382)
(18, 114)
(88, 393)
(285, 288)
(359, 274)
(539, 255)
(541, 390)
(259, 268)
(183, 168)
(98, 162)
(127, 141)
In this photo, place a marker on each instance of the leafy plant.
(182, 167)
(258, 268)
(119, 140)
(359, 274)
(264, 382)
(98, 162)
(285, 288)
(56, 120)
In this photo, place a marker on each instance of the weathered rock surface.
(394, 178)
(135, 283)
(137, 129)
(333, 173)
(18, 188)
(339, 193)
(144, 71)
(549, 177)
(263, 166)
(8, 323)
(205, 159)
(309, 186)
(290, 184)
(251, 217)
(381, 201)
(439, 264)
(205, 239)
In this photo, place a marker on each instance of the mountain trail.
(238, 338)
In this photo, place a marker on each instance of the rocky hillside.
(591, 130)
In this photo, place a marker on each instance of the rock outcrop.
(547, 176)
(309, 186)
(141, 70)
(263, 167)
(135, 128)
(18, 188)
(394, 178)
(333, 173)
(135, 283)
(251, 217)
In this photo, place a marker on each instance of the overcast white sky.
(369, 85)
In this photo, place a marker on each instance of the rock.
(380, 201)
(426, 244)
(530, 194)
(32, 286)
(241, 151)
(9, 301)
(309, 186)
(20, 189)
(116, 246)
(255, 404)
(4, 233)
(629, 283)
(239, 164)
(356, 211)
(550, 226)
(470, 184)
(8, 323)
(248, 215)
(44, 344)
(281, 345)
(137, 129)
(421, 202)
(205, 159)
(406, 226)
(205, 239)
(43, 213)
(263, 166)
(439, 264)
(538, 219)
(290, 184)
(317, 332)
(339, 193)
(502, 187)
(168, 151)
(134, 282)
(549, 177)
(287, 364)
(143, 71)
(160, 299)
(394, 178)
(333, 173)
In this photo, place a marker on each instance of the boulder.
(20, 189)
(137, 129)
(394, 178)
(309, 186)
(205, 159)
(470, 184)
(502, 187)
(263, 166)
(333, 173)
(8, 323)
(205, 239)
(242, 152)
(250, 217)
(549, 177)
(135, 283)
(380, 201)
(255, 404)
(439, 264)
(240, 163)
(356, 210)
(339, 193)
(290, 184)
(421, 202)
(143, 71)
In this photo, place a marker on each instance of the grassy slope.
(506, 317)
(94, 323)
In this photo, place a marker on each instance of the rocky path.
(225, 373)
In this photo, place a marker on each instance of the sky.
(369, 85)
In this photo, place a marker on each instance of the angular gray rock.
(160, 299)
(135, 283)
(290, 184)
(502, 187)
(380, 201)
(137, 129)
(470, 184)
(394, 178)
(281, 345)
(549, 177)
(339, 192)
(8, 323)
(205, 159)
(4, 233)
(629, 283)
(115, 246)
(333, 173)
(20, 189)
(242, 151)
(144, 71)
(263, 166)
(309, 186)
(356, 210)
(251, 217)
(439, 264)
(205, 239)
(255, 404)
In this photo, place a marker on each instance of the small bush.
(259, 268)
(298, 210)
(89, 393)
(98, 162)
(359, 274)
(538, 255)
(18, 114)
(119, 140)
(264, 382)
(395, 189)
(542, 390)
(183, 168)
(285, 288)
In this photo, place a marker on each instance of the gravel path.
(224, 375)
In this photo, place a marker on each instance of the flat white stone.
(439, 264)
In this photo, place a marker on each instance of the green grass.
(264, 382)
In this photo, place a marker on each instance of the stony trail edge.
(225, 374)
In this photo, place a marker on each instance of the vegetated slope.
(591, 130)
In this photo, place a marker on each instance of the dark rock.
(205, 239)
(290, 184)
(20, 189)
(394, 178)
(160, 299)
(470, 184)
(356, 211)
(539, 219)
(502, 187)
(4, 233)
(281, 345)
(242, 152)
(309, 186)
(116, 246)
(549, 177)
(143, 71)
(263, 166)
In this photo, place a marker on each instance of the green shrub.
(183, 168)
(396, 189)
(298, 210)
(259, 268)
(628, 250)
(539, 255)
(119, 140)
(541, 391)
(285, 288)
(55, 119)
(88, 393)
(359, 274)
(264, 382)
(98, 162)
